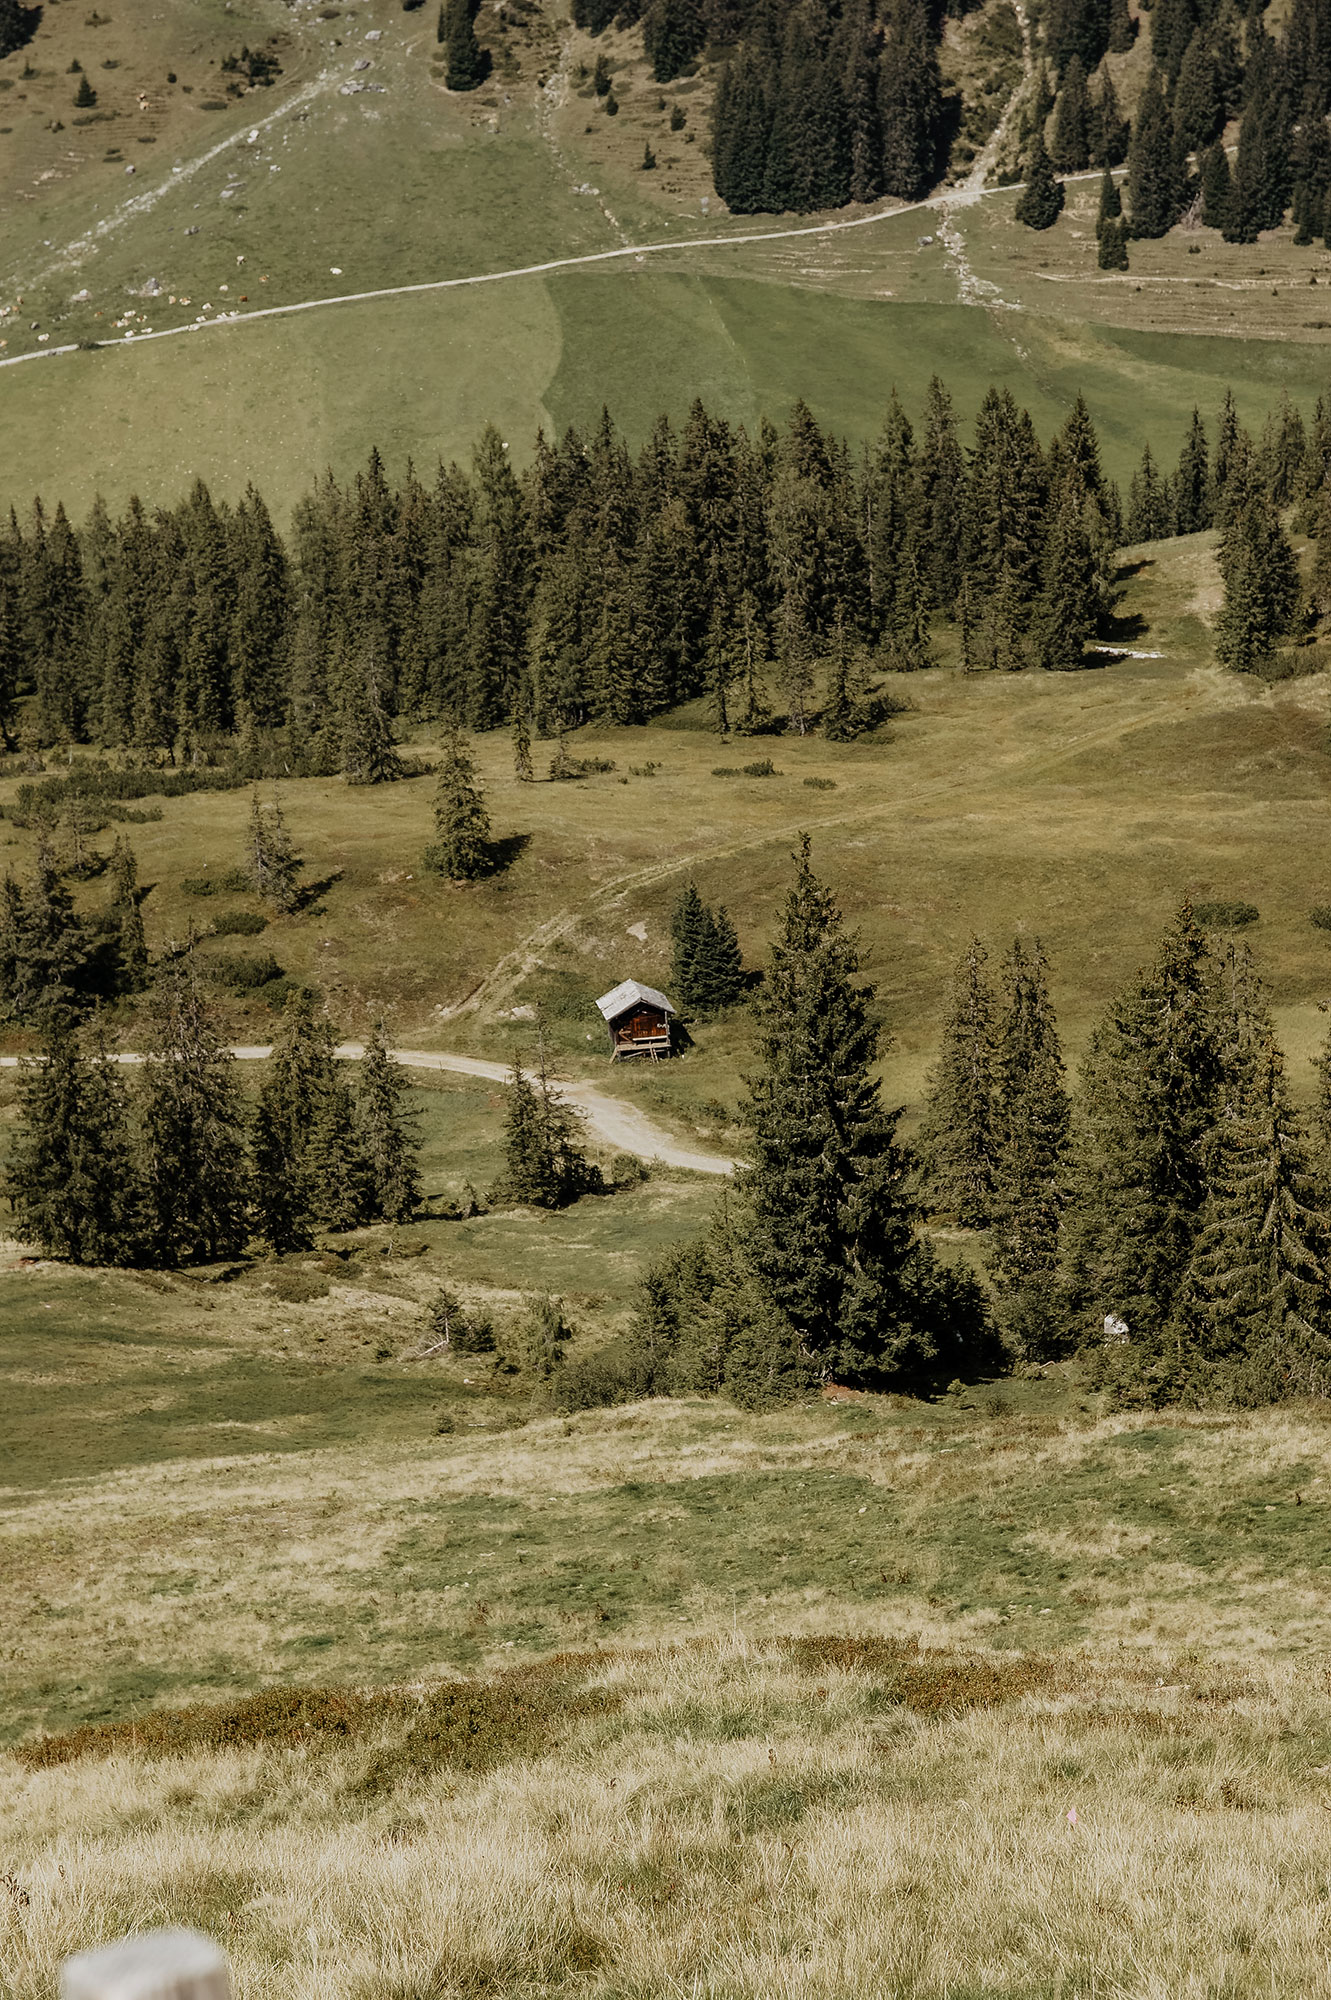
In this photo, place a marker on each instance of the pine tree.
(1254, 1302)
(1155, 181)
(1071, 600)
(307, 1166)
(17, 26)
(131, 946)
(1199, 111)
(85, 96)
(1319, 584)
(389, 1139)
(724, 962)
(1193, 509)
(468, 63)
(1261, 582)
(1108, 127)
(1040, 202)
(369, 756)
(1070, 146)
(272, 862)
(544, 1164)
(1111, 202)
(1112, 250)
(192, 1124)
(673, 33)
(462, 848)
(47, 947)
(1217, 186)
(692, 929)
(1149, 517)
(523, 769)
(1122, 28)
(828, 1223)
(1031, 1125)
(71, 1179)
(955, 1143)
(1150, 1091)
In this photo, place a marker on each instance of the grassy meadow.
(299, 192)
(602, 1731)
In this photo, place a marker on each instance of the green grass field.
(430, 186)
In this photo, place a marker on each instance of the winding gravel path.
(613, 1121)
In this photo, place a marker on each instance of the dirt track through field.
(615, 1123)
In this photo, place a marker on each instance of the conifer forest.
(605, 585)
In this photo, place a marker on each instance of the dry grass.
(728, 1822)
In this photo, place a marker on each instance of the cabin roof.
(629, 994)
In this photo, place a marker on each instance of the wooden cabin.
(638, 1018)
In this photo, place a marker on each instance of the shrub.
(1225, 916)
(725, 770)
(764, 768)
(627, 1170)
(821, 784)
(1320, 915)
(297, 1287)
(239, 923)
(235, 880)
(243, 974)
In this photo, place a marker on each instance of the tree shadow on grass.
(502, 853)
(307, 903)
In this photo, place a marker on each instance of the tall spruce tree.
(1254, 1306)
(461, 848)
(1155, 176)
(544, 1163)
(828, 1222)
(1193, 508)
(130, 974)
(1070, 144)
(1031, 1125)
(192, 1128)
(71, 1180)
(955, 1143)
(388, 1131)
(468, 63)
(1150, 1091)
(1040, 202)
(307, 1164)
(1261, 584)
(691, 932)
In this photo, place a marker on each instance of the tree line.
(595, 585)
(1211, 61)
(176, 1167)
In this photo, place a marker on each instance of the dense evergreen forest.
(832, 101)
(774, 575)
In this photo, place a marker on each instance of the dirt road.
(613, 1122)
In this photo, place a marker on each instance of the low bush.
(821, 784)
(764, 768)
(234, 881)
(627, 1170)
(1225, 916)
(239, 923)
(295, 1286)
(1320, 916)
(243, 974)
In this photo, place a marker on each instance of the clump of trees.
(814, 1266)
(176, 1168)
(707, 970)
(545, 1165)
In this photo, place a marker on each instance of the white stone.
(158, 1965)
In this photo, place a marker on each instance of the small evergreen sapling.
(272, 862)
(955, 1143)
(461, 849)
